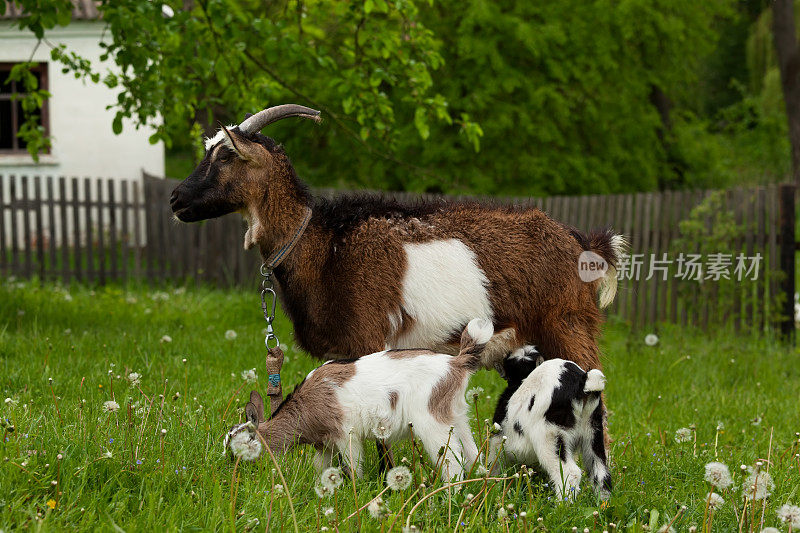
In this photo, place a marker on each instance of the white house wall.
(83, 143)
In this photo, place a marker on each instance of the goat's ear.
(539, 360)
(232, 143)
(258, 403)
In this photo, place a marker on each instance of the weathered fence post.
(787, 257)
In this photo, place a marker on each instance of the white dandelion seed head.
(250, 376)
(166, 338)
(502, 514)
(381, 432)
(331, 478)
(323, 491)
(277, 490)
(651, 339)
(11, 402)
(715, 501)
(790, 514)
(111, 406)
(770, 530)
(163, 432)
(720, 426)
(108, 455)
(474, 393)
(481, 470)
(329, 513)
(497, 428)
(666, 528)
(377, 508)
(246, 445)
(410, 529)
(718, 475)
(758, 486)
(135, 378)
(683, 435)
(230, 335)
(398, 478)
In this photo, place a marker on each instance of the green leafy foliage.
(508, 97)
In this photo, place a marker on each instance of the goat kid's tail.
(473, 341)
(595, 381)
(610, 246)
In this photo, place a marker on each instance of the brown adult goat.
(370, 273)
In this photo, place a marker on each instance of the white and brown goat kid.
(344, 402)
(549, 411)
(370, 273)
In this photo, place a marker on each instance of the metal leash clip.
(267, 289)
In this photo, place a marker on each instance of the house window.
(11, 115)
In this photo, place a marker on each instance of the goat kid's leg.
(433, 438)
(353, 452)
(594, 454)
(323, 459)
(385, 456)
(560, 465)
(469, 450)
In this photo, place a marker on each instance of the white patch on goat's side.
(210, 142)
(443, 289)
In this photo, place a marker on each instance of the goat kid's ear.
(251, 413)
(539, 360)
(258, 403)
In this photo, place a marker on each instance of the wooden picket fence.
(97, 231)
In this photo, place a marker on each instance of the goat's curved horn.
(278, 112)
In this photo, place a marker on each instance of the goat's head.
(237, 167)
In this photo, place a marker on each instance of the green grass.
(88, 341)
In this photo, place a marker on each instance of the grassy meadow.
(156, 463)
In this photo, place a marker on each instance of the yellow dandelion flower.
(51, 504)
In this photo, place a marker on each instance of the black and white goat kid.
(549, 410)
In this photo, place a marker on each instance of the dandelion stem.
(55, 401)
(764, 503)
(233, 496)
(351, 515)
(444, 487)
(225, 413)
(353, 468)
(706, 526)
(285, 485)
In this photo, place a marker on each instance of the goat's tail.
(473, 341)
(610, 247)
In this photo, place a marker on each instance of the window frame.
(7, 94)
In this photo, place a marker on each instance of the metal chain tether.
(268, 292)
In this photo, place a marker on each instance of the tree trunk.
(788, 53)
